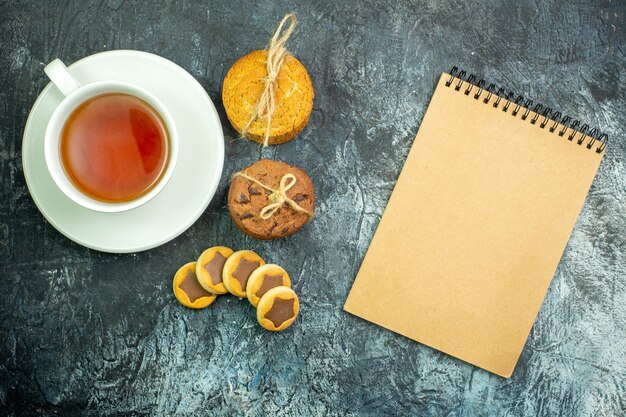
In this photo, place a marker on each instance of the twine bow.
(277, 197)
(276, 53)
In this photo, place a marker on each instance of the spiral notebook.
(477, 223)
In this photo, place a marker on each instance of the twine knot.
(278, 197)
(276, 53)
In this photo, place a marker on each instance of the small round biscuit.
(209, 268)
(237, 270)
(188, 290)
(277, 309)
(263, 279)
(293, 96)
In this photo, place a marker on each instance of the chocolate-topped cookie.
(237, 270)
(277, 309)
(271, 199)
(188, 290)
(209, 268)
(263, 279)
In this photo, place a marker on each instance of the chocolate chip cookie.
(271, 199)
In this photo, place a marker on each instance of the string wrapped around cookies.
(271, 199)
(268, 94)
(268, 98)
(278, 197)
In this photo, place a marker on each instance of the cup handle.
(61, 77)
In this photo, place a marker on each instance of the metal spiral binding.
(545, 115)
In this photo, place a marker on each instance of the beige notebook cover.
(475, 228)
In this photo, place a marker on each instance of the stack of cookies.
(268, 98)
(220, 270)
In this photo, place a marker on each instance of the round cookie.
(293, 94)
(264, 279)
(209, 268)
(188, 290)
(277, 309)
(246, 199)
(237, 270)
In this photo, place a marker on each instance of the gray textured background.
(90, 333)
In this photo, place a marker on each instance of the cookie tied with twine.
(268, 94)
(271, 199)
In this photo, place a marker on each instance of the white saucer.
(188, 192)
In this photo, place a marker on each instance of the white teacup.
(75, 95)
